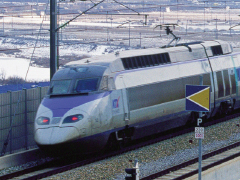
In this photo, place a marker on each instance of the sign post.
(199, 134)
(200, 140)
(198, 99)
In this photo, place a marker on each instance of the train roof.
(74, 72)
(139, 58)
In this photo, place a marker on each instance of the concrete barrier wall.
(17, 114)
(227, 171)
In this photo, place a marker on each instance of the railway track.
(209, 160)
(190, 168)
(61, 165)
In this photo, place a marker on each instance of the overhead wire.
(100, 41)
(125, 9)
(70, 30)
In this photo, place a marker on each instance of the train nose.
(55, 135)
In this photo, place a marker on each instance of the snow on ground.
(19, 67)
(16, 51)
(17, 63)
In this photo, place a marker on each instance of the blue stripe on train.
(60, 105)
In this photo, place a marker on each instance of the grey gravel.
(24, 166)
(158, 156)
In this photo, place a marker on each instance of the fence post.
(40, 94)
(10, 122)
(26, 119)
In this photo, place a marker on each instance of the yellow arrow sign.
(201, 98)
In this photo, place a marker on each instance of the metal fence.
(17, 114)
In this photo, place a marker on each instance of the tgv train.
(103, 100)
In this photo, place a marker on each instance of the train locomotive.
(100, 101)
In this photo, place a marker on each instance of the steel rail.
(204, 157)
(195, 160)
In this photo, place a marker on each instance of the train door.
(226, 90)
(125, 103)
(95, 118)
(235, 78)
(220, 87)
(230, 82)
(225, 86)
(233, 82)
(120, 106)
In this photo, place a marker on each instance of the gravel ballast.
(158, 156)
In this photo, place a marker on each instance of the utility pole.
(140, 39)
(3, 23)
(204, 14)
(129, 33)
(177, 11)
(225, 10)
(53, 37)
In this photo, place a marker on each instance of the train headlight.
(43, 121)
(73, 119)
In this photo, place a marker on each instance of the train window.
(86, 85)
(161, 59)
(125, 63)
(78, 69)
(134, 62)
(59, 87)
(217, 50)
(139, 62)
(238, 74)
(154, 59)
(158, 59)
(145, 61)
(220, 83)
(151, 60)
(233, 82)
(142, 60)
(227, 83)
(130, 64)
(165, 57)
(207, 80)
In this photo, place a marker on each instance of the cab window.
(86, 85)
(59, 87)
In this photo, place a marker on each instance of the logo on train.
(115, 102)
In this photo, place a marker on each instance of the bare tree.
(14, 80)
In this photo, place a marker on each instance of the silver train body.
(135, 93)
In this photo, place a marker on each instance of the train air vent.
(217, 50)
(145, 61)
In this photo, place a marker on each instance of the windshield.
(59, 87)
(86, 85)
